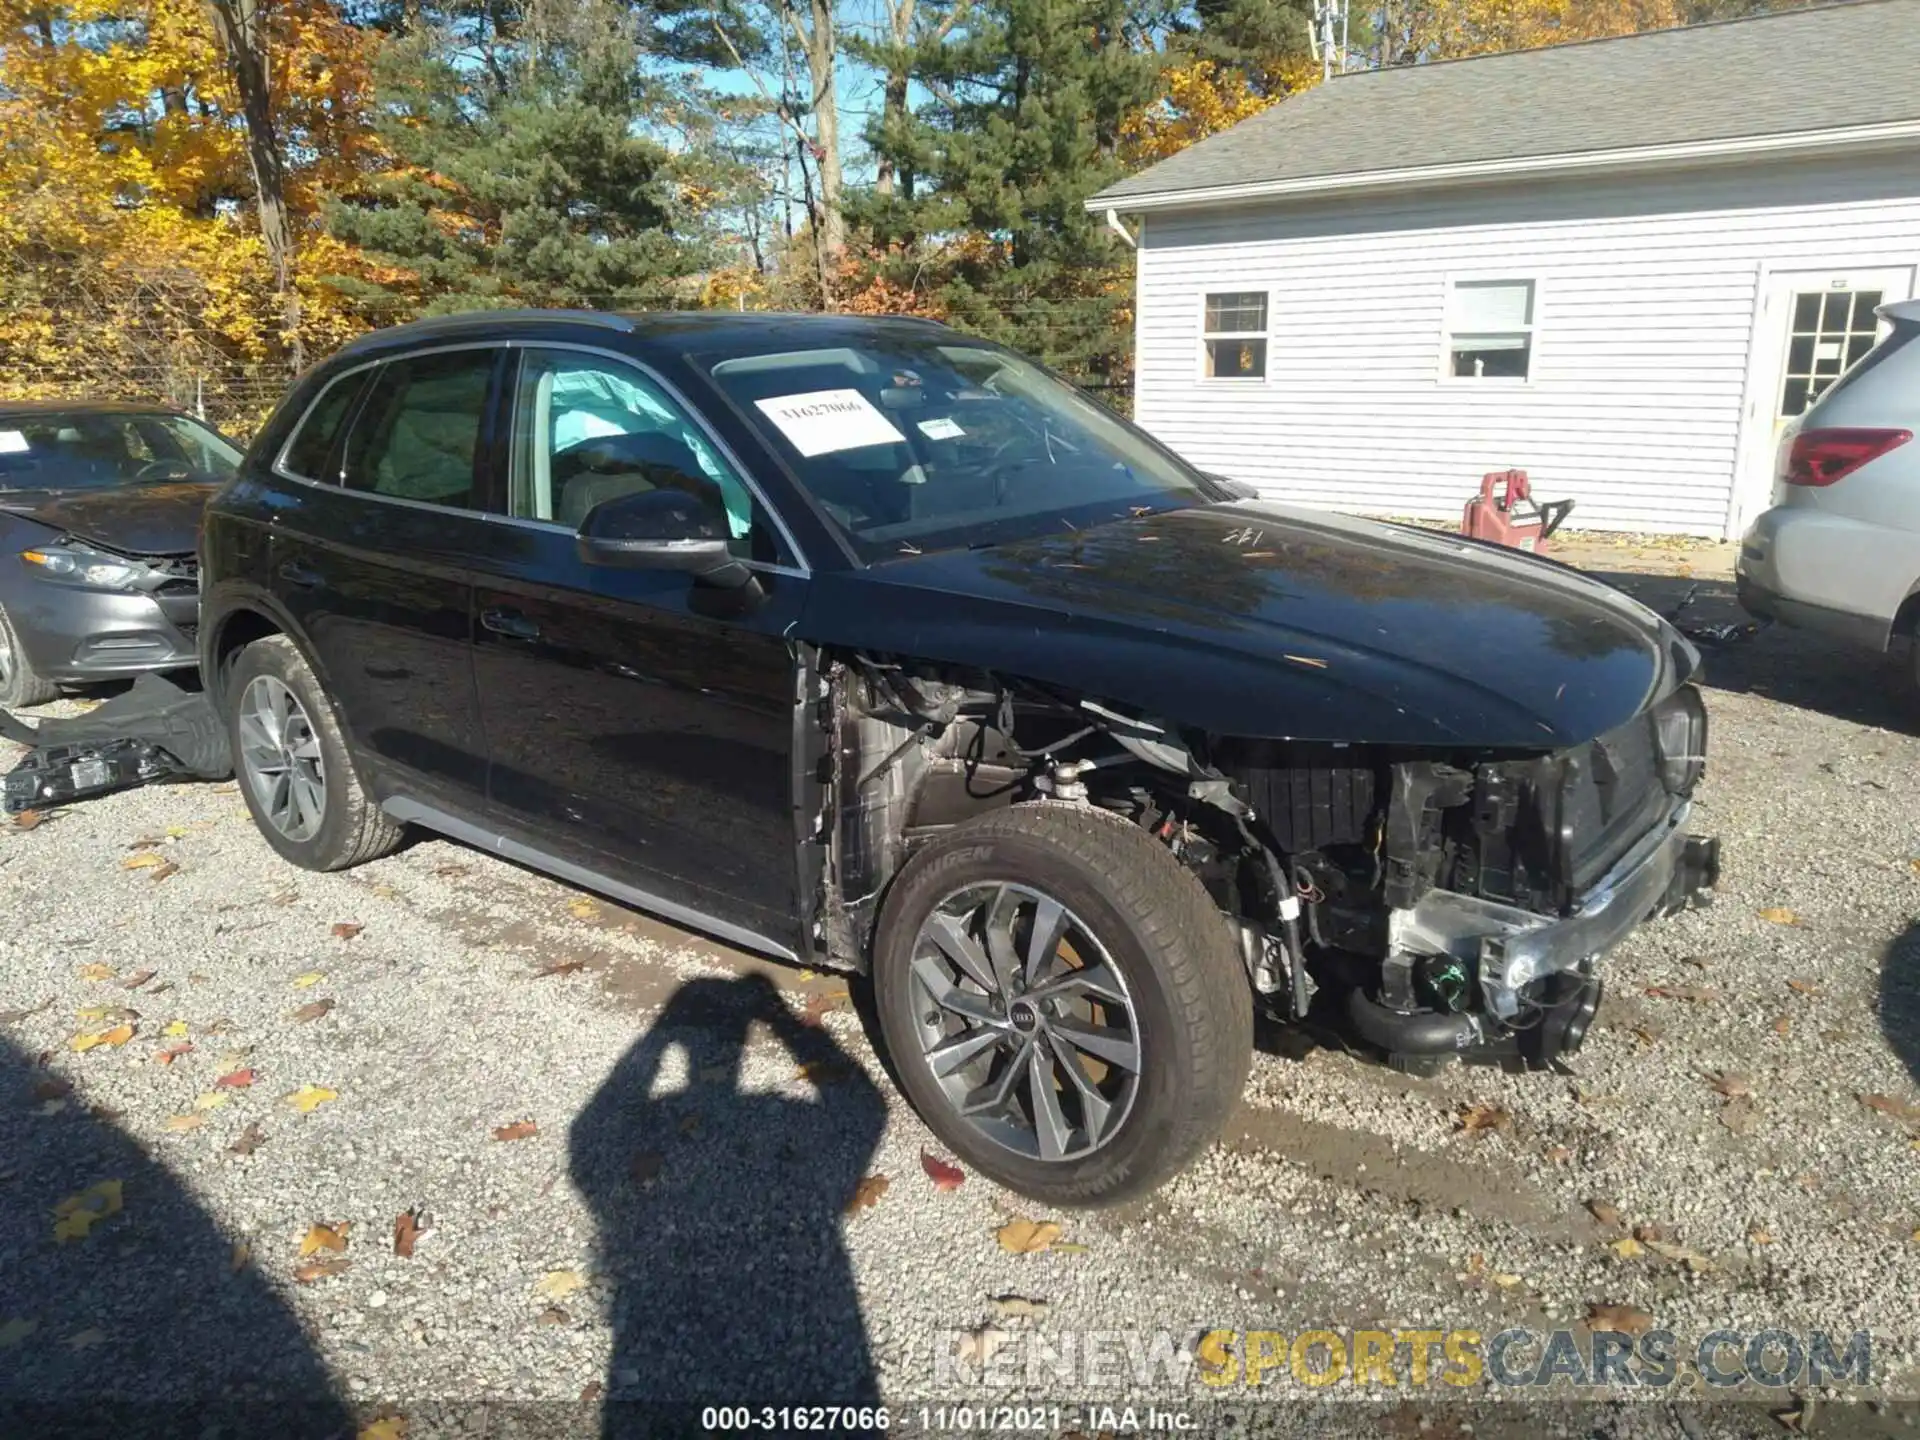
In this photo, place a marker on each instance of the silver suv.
(1841, 552)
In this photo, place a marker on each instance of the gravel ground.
(672, 1223)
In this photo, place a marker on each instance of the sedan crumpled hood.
(1257, 619)
(159, 519)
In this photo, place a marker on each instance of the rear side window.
(307, 452)
(417, 433)
(1903, 335)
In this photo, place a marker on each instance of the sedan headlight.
(1680, 722)
(75, 564)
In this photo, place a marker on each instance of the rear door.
(375, 569)
(639, 723)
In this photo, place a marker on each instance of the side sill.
(412, 812)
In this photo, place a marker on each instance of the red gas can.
(1512, 517)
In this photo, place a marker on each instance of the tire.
(1182, 1000)
(344, 828)
(20, 684)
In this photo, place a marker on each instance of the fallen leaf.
(406, 1233)
(690, 1123)
(164, 871)
(591, 1392)
(945, 1176)
(1626, 1247)
(1647, 1232)
(1732, 1084)
(1680, 1254)
(137, 979)
(86, 1339)
(320, 1269)
(96, 971)
(311, 1011)
(102, 1014)
(1559, 1154)
(180, 1124)
(553, 1315)
(645, 1167)
(1647, 1033)
(1779, 915)
(1698, 994)
(284, 898)
(251, 1139)
(1740, 1115)
(1782, 1026)
(1759, 1234)
(1019, 1307)
(175, 1030)
(1506, 1281)
(1803, 987)
(16, 1330)
(388, 1427)
(308, 980)
(54, 1087)
(29, 819)
(518, 1130)
(118, 1035)
(978, 1347)
(1069, 1247)
(1791, 1417)
(823, 1072)
(1475, 1119)
(820, 1006)
(324, 1236)
(1888, 1105)
(868, 1192)
(75, 1216)
(347, 929)
(584, 909)
(386, 892)
(211, 1100)
(309, 1098)
(450, 872)
(559, 967)
(146, 842)
(558, 1284)
(142, 860)
(1621, 1319)
(1022, 1236)
(237, 1080)
(1698, 962)
(1605, 1213)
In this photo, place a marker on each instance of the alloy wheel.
(1025, 1022)
(281, 756)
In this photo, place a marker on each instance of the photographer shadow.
(719, 1211)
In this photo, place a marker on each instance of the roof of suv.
(723, 328)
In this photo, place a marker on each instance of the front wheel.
(1063, 1004)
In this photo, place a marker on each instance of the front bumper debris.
(156, 730)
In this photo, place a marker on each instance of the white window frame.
(1265, 335)
(1531, 329)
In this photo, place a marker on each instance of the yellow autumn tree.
(1202, 98)
(1450, 29)
(130, 266)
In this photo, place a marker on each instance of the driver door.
(639, 723)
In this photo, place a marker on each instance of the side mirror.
(662, 530)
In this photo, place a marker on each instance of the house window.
(1832, 330)
(1490, 330)
(1234, 336)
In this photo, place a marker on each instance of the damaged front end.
(1429, 903)
(157, 729)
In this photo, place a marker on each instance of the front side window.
(312, 444)
(94, 450)
(1234, 336)
(588, 429)
(914, 442)
(417, 433)
(1490, 330)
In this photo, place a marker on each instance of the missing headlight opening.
(1430, 903)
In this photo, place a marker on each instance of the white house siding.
(1644, 318)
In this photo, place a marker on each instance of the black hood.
(1257, 619)
(160, 519)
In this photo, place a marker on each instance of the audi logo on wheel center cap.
(1025, 1018)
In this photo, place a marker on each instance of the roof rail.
(464, 321)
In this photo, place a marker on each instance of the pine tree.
(1029, 100)
(521, 174)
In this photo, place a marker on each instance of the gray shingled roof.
(1836, 67)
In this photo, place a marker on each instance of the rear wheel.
(1062, 1002)
(292, 763)
(20, 684)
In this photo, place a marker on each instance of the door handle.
(510, 623)
(305, 576)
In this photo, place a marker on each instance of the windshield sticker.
(822, 421)
(941, 429)
(13, 442)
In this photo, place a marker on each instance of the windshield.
(90, 450)
(915, 443)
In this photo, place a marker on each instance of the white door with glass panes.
(1812, 326)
